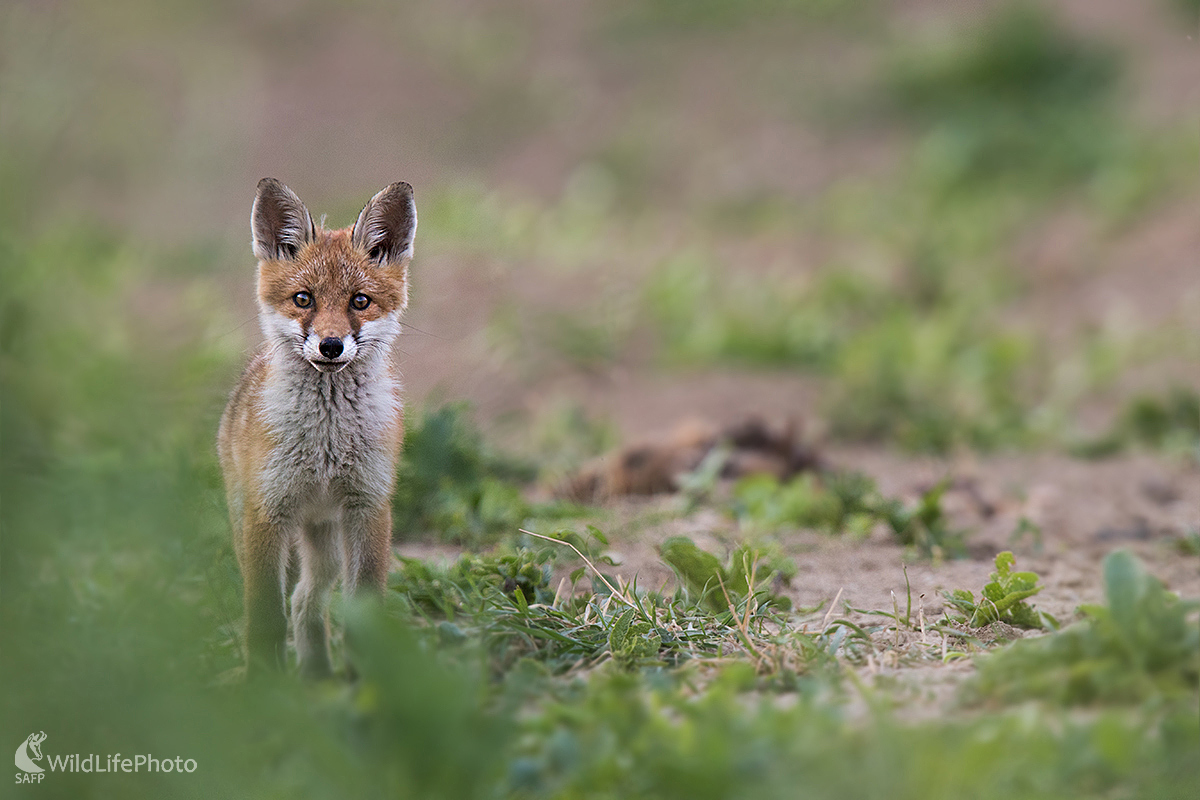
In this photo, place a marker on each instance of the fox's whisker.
(418, 330)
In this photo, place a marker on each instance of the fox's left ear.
(386, 226)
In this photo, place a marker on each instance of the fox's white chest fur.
(330, 434)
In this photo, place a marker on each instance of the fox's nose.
(330, 347)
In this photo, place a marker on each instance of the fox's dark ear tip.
(402, 187)
(267, 182)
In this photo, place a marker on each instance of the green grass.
(1018, 99)
(449, 483)
(478, 679)
(907, 323)
(518, 673)
(1169, 422)
(1142, 646)
(509, 604)
(455, 488)
(906, 317)
(672, 17)
(747, 574)
(630, 739)
(928, 366)
(845, 503)
(1187, 10)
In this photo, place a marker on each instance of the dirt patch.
(1079, 512)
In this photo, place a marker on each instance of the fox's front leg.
(263, 553)
(368, 547)
(319, 563)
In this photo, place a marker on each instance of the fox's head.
(332, 296)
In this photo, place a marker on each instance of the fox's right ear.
(280, 222)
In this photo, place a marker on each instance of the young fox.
(309, 440)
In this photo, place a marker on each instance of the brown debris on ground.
(655, 465)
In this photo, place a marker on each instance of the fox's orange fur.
(310, 438)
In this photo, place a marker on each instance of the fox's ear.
(280, 222)
(386, 226)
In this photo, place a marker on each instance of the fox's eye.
(360, 301)
(302, 299)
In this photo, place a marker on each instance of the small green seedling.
(709, 581)
(1003, 599)
(1143, 644)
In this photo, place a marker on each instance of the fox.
(311, 435)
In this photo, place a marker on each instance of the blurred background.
(917, 227)
(930, 224)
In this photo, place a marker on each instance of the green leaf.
(1013, 598)
(597, 534)
(1004, 563)
(1125, 582)
(631, 640)
(698, 569)
(1020, 581)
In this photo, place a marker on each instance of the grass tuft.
(846, 503)
(1143, 643)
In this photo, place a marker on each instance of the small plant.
(933, 381)
(1172, 420)
(924, 526)
(1002, 599)
(802, 502)
(450, 483)
(834, 502)
(716, 586)
(1189, 543)
(563, 436)
(847, 501)
(1144, 643)
(506, 602)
